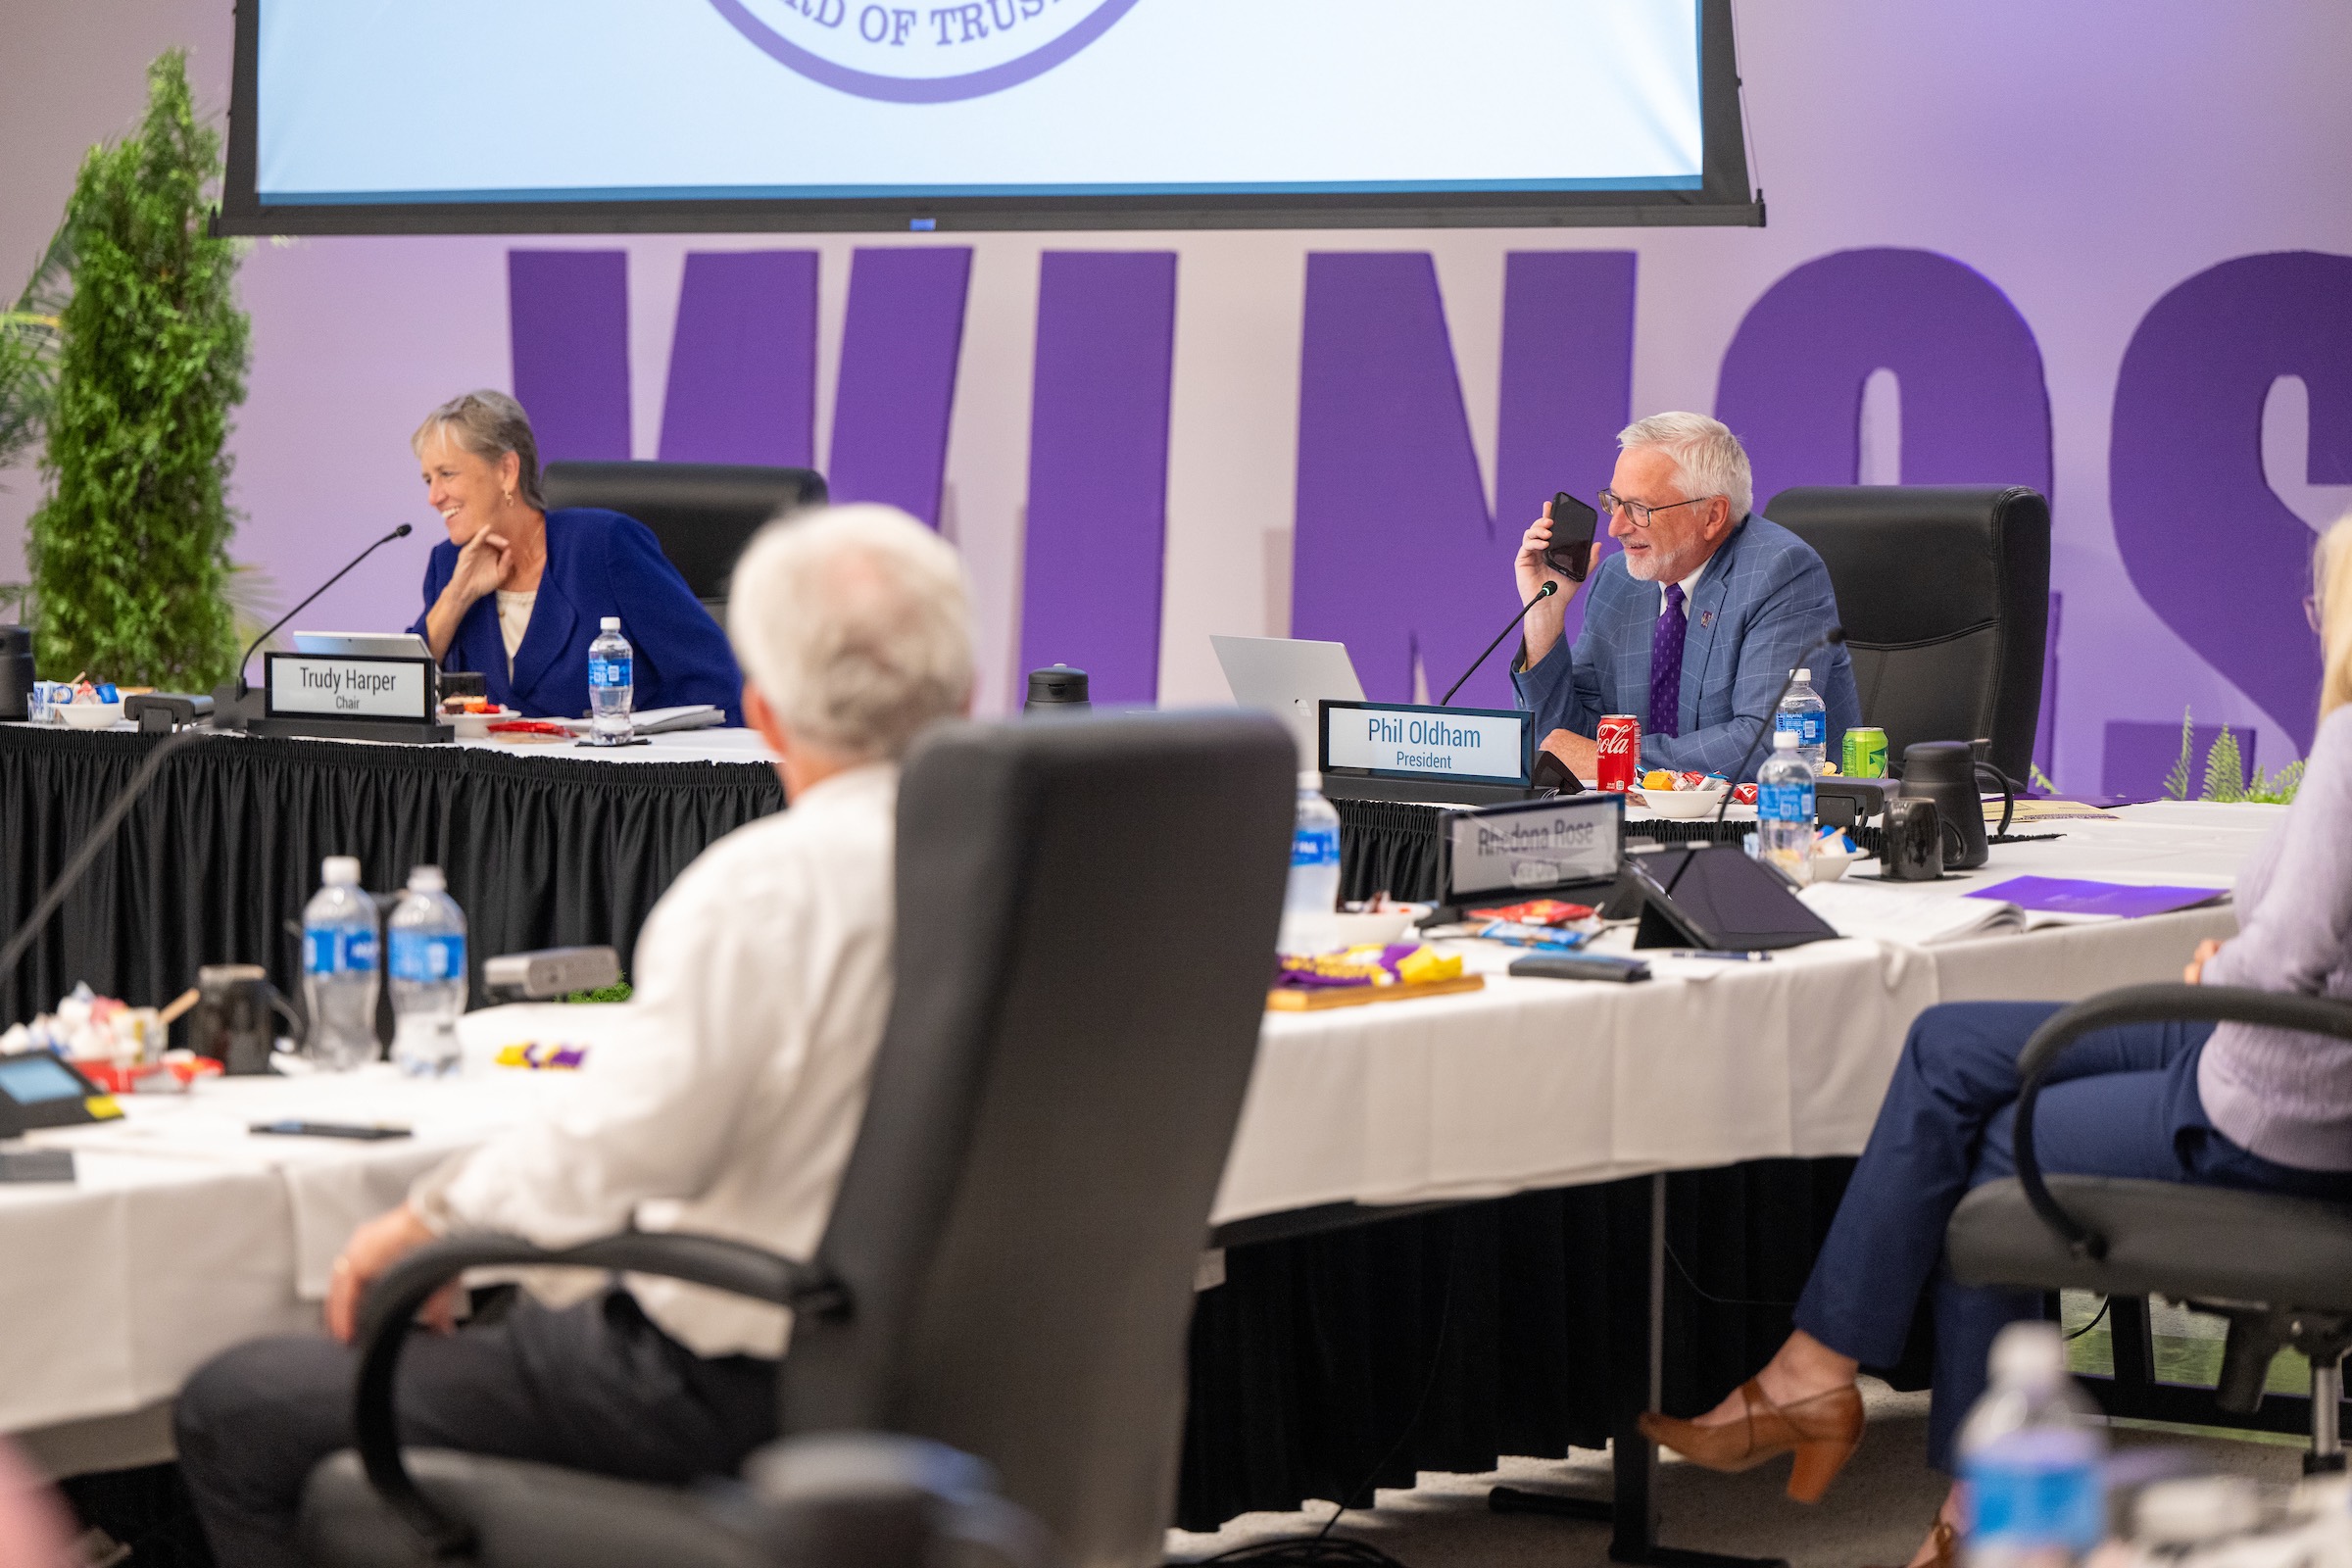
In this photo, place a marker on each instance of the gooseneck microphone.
(1550, 587)
(401, 532)
(1832, 638)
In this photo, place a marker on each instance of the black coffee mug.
(1914, 840)
(235, 1019)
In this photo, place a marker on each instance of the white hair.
(855, 624)
(1708, 460)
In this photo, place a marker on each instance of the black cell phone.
(291, 1128)
(1573, 525)
(1579, 966)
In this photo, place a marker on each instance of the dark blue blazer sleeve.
(683, 656)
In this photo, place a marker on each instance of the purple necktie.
(1666, 665)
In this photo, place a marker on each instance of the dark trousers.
(2120, 1103)
(592, 1387)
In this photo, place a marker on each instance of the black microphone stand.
(1833, 638)
(235, 690)
(1545, 592)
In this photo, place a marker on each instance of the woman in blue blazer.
(518, 592)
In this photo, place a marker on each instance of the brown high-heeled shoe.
(1824, 1431)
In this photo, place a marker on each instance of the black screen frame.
(1724, 197)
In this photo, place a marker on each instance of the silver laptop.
(363, 644)
(1290, 677)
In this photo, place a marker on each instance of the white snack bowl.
(1686, 806)
(89, 716)
(1830, 867)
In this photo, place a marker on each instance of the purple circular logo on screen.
(923, 54)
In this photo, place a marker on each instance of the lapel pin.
(1706, 617)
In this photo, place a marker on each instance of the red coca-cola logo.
(1615, 741)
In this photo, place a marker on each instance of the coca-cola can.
(1620, 741)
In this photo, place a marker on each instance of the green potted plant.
(129, 552)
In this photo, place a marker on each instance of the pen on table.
(1751, 956)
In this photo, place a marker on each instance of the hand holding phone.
(1573, 525)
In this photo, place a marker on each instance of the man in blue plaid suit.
(1693, 624)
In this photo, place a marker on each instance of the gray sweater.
(2288, 1096)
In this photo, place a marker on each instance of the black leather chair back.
(1945, 597)
(703, 513)
(1085, 921)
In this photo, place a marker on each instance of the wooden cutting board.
(1321, 998)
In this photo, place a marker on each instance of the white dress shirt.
(1689, 587)
(762, 981)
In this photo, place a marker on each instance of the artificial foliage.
(2225, 772)
(30, 334)
(129, 554)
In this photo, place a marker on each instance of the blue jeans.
(2120, 1103)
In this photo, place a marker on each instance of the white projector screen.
(471, 114)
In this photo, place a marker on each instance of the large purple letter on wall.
(1567, 387)
(1395, 553)
(1099, 467)
(899, 350)
(743, 365)
(568, 316)
(1975, 407)
(2212, 550)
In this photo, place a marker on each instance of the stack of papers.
(1920, 918)
(1913, 919)
(659, 720)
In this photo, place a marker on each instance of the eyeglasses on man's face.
(1637, 512)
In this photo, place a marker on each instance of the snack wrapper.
(1535, 911)
(1397, 964)
(1550, 938)
(540, 1056)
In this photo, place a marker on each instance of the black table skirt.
(225, 849)
(1490, 1320)
(1308, 1365)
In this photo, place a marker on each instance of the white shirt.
(762, 981)
(1689, 587)
(513, 619)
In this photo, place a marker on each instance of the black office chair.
(1086, 922)
(1945, 597)
(703, 513)
(2278, 1269)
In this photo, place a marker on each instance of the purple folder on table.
(2058, 895)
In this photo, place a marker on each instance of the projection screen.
(359, 116)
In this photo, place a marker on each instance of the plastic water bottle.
(612, 685)
(339, 968)
(1803, 711)
(2030, 1456)
(1313, 893)
(1785, 807)
(428, 975)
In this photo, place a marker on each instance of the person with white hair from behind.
(762, 981)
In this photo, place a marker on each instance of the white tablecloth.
(185, 1233)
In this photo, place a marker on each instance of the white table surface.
(185, 1234)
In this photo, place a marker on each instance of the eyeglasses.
(1637, 512)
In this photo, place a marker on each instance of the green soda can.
(1865, 754)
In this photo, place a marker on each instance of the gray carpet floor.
(1877, 1512)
